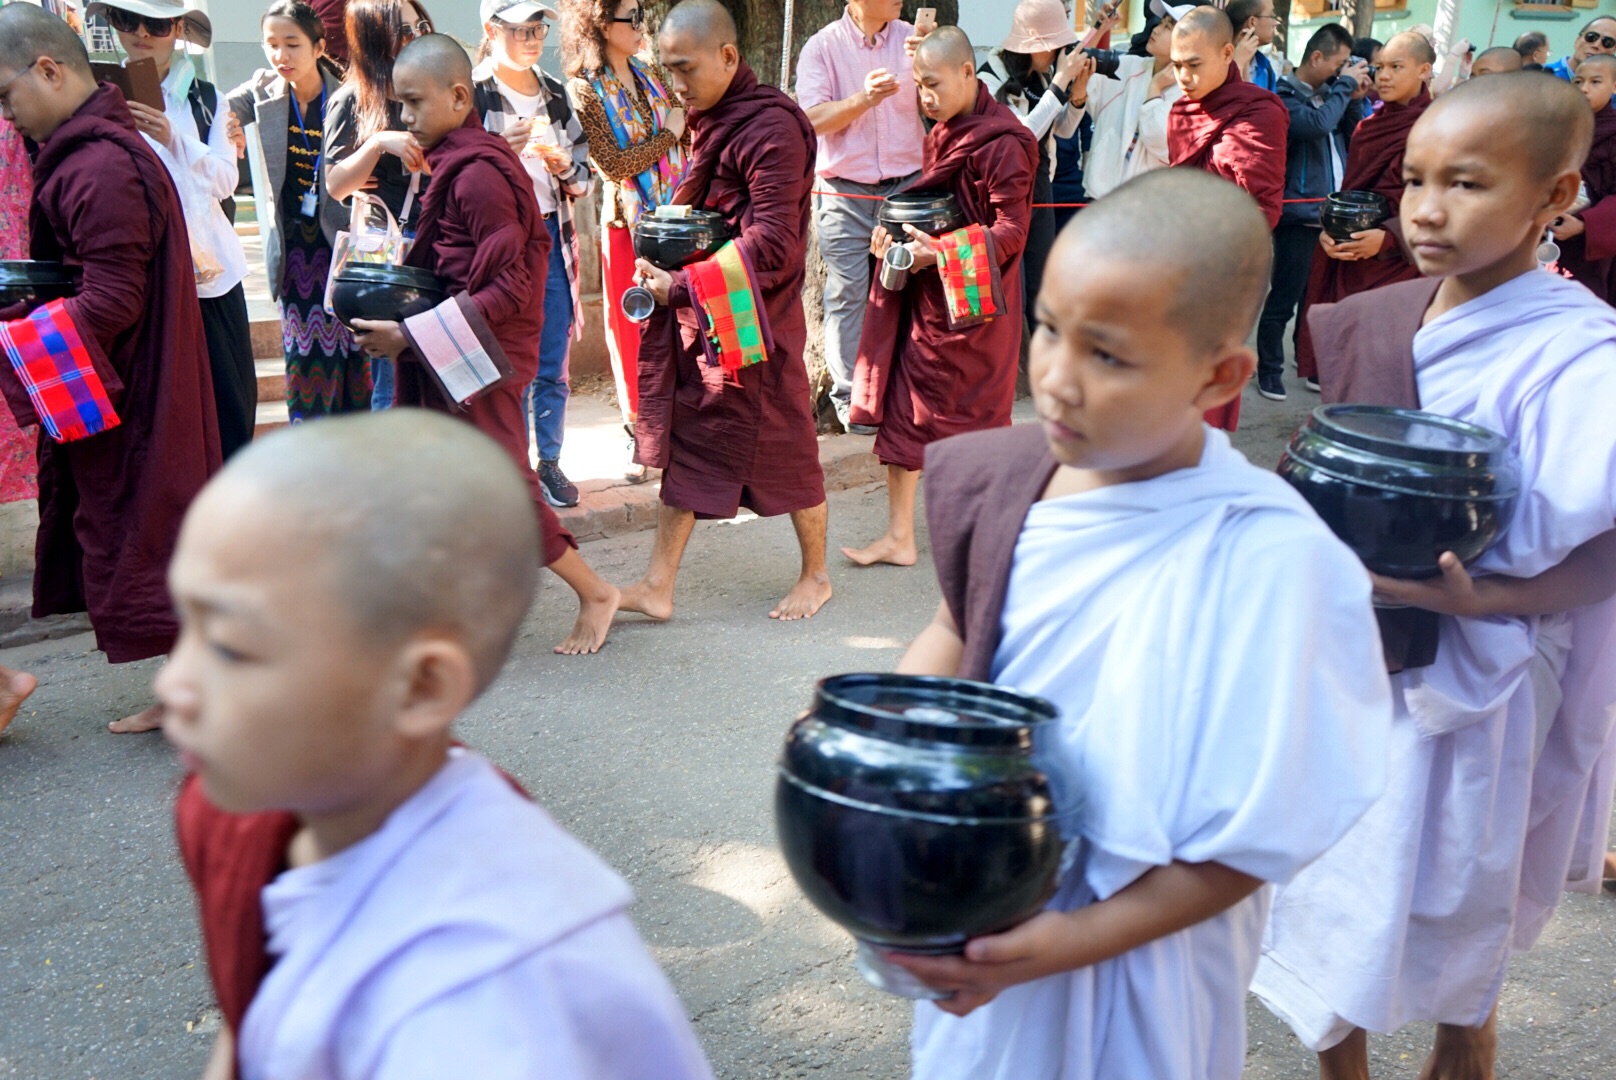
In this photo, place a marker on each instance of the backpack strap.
(204, 101)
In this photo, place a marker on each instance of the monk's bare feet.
(1463, 1053)
(1348, 1059)
(653, 602)
(15, 686)
(805, 599)
(889, 549)
(1610, 863)
(146, 720)
(594, 622)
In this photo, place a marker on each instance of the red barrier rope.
(1035, 206)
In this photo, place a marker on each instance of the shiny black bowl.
(1348, 212)
(33, 281)
(932, 212)
(674, 243)
(918, 813)
(385, 293)
(1400, 487)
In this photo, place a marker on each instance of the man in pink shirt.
(854, 81)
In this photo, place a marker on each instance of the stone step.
(271, 415)
(271, 379)
(266, 339)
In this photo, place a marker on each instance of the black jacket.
(1317, 117)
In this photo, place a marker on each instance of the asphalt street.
(659, 754)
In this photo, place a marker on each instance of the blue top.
(1561, 68)
(1262, 73)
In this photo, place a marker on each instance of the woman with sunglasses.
(530, 110)
(326, 372)
(364, 144)
(191, 135)
(638, 143)
(1599, 36)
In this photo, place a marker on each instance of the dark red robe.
(1238, 132)
(752, 444)
(110, 506)
(1374, 163)
(481, 232)
(916, 378)
(1591, 257)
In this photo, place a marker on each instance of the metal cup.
(638, 303)
(895, 265)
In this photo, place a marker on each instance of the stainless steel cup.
(895, 267)
(638, 303)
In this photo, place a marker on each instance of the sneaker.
(862, 429)
(1311, 384)
(558, 490)
(1271, 385)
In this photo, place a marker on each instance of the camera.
(1105, 61)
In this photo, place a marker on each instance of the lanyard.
(303, 131)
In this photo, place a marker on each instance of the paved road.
(659, 754)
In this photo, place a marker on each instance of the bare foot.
(1348, 1059)
(1610, 856)
(146, 720)
(1463, 1053)
(594, 622)
(805, 599)
(885, 550)
(15, 686)
(642, 598)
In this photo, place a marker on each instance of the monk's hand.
(880, 241)
(1363, 245)
(517, 134)
(1042, 946)
(879, 85)
(152, 122)
(380, 337)
(402, 145)
(657, 280)
(922, 247)
(1452, 592)
(1566, 226)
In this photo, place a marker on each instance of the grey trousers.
(845, 227)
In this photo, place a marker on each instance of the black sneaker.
(558, 490)
(1271, 385)
(1312, 384)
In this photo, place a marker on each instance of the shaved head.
(1213, 253)
(439, 56)
(707, 21)
(408, 521)
(1541, 120)
(1207, 22)
(1597, 62)
(1415, 46)
(28, 32)
(945, 45)
(1497, 60)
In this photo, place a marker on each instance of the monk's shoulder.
(982, 458)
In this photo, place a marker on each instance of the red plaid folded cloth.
(970, 276)
(734, 327)
(54, 367)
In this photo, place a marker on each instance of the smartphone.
(925, 21)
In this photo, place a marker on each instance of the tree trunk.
(1363, 18)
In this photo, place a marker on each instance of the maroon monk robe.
(481, 232)
(916, 378)
(1591, 257)
(1238, 132)
(1374, 163)
(752, 444)
(110, 505)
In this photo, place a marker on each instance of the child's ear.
(1227, 377)
(462, 97)
(440, 680)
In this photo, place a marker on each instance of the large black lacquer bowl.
(1348, 212)
(33, 281)
(1400, 487)
(673, 243)
(384, 293)
(919, 812)
(932, 212)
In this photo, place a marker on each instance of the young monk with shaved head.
(727, 415)
(1504, 694)
(1496, 61)
(481, 233)
(1373, 257)
(1587, 238)
(930, 364)
(375, 900)
(1082, 557)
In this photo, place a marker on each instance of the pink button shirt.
(885, 142)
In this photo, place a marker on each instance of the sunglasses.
(636, 20)
(418, 29)
(1594, 37)
(127, 22)
(524, 33)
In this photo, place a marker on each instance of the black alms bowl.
(674, 243)
(921, 812)
(1348, 212)
(1400, 487)
(932, 212)
(33, 281)
(385, 293)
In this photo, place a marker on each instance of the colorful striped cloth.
(734, 327)
(54, 366)
(970, 276)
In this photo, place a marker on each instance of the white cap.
(514, 12)
(1163, 10)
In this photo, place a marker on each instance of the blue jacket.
(1262, 73)
(1317, 118)
(1560, 69)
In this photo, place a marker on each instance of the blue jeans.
(381, 384)
(547, 397)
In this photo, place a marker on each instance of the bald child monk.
(933, 360)
(117, 374)
(1082, 557)
(481, 233)
(1414, 915)
(1587, 238)
(1373, 257)
(1496, 61)
(727, 415)
(376, 900)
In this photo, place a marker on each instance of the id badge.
(310, 204)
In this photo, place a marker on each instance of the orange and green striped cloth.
(969, 274)
(734, 327)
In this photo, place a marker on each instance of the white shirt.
(526, 107)
(1130, 133)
